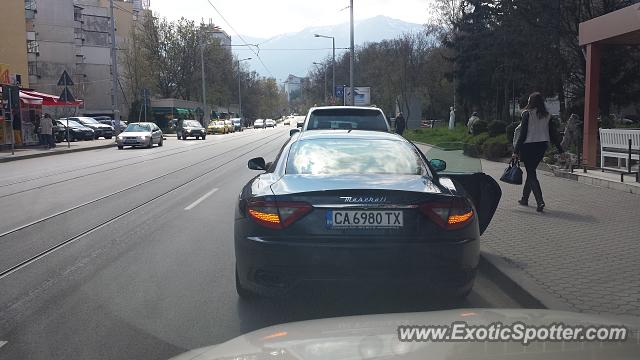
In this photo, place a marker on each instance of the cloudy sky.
(266, 18)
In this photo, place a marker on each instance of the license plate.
(131, 141)
(364, 219)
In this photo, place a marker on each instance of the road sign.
(65, 79)
(339, 91)
(361, 95)
(67, 96)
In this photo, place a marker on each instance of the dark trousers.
(400, 130)
(531, 154)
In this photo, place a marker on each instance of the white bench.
(615, 143)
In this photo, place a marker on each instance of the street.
(110, 254)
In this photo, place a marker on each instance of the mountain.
(281, 60)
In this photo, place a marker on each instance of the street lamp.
(324, 70)
(239, 94)
(333, 62)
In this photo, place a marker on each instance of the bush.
(473, 145)
(496, 128)
(511, 128)
(479, 127)
(496, 147)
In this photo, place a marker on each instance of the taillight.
(450, 215)
(277, 215)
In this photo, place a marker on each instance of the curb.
(593, 181)
(517, 284)
(60, 152)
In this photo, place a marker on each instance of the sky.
(267, 18)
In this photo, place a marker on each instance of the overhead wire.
(256, 53)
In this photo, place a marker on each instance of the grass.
(442, 137)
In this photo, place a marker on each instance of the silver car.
(140, 134)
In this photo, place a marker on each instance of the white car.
(258, 124)
(140, 134)
(270, 123)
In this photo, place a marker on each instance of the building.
(74, 35)
(216, 32)
(13, 47)
(293, 87)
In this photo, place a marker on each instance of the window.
(353, 156)
(33, 68)
(77, 13)
(30, 5)
(33, 47)
(362, 119)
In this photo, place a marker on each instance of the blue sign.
(340, 91)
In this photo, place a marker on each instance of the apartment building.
(13, 47)
(74, 35)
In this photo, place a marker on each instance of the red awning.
(51, 100)
(30, 100)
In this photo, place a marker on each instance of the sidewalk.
(29, 152)
(581, 254)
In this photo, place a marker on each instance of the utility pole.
(350, 60)
(114, 70)
(205, 118)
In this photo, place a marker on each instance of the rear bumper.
(136, 143)
(274, 268)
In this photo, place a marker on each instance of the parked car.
(345, 217)
(237, 124)
(140, 134)
(191, 128)
(230, 127)
(299, 121)
(101, 130)
(77, 131)
(286, 121)
(217, 127)
(258, 124)
(111, 122)
(270, 123)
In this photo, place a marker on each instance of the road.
(128, 254)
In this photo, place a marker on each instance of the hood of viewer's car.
(376, 337)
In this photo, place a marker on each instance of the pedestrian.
(472, 121)
(537, 130)
(401, 124)
(452, 118)
(46, 129)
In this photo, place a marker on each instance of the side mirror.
(293, 131)
(438, 165)
(257, 164)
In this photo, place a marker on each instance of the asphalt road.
(128, 254)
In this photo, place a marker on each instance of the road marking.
(201, 199)
(3, 343)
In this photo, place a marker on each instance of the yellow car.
(217, 127)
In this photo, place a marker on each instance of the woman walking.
(537, 130)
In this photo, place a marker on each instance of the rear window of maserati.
(353, 156)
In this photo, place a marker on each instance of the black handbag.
(513, 174)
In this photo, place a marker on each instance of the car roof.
(346, 134)
(345, 107)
